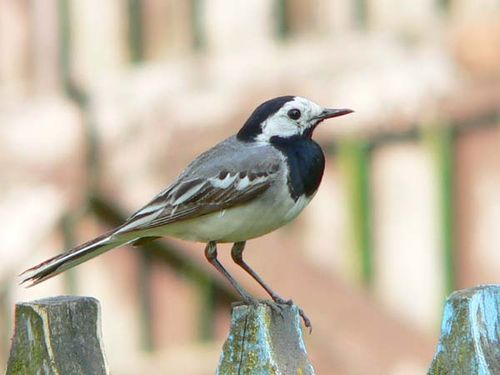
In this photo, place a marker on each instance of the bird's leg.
(211, 255)
(248, 299)
(237, 255)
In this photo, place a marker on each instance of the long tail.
(73, 257)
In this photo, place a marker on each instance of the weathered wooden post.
(262, 341)
(59, 335)
(470, 333)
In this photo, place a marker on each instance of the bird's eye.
(294, 114)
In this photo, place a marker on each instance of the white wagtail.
(244, 187)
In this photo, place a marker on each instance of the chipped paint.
(447, 319)
(42, 313)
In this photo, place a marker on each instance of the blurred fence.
(420, 197)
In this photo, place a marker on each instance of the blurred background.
(102, 103)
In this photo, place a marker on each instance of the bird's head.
(285, 117)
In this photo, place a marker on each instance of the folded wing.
(191, 198)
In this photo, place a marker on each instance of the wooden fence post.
(470, 333)
(59, 335)
(262, 342)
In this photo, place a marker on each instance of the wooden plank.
(441, 140)
(59, 335)
(354, 158)
(263, 342)
(470, 333)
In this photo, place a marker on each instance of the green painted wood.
(470, 333)
(354, 160)
(446, 164)
(281, 19)
(59, 335)
(68, 232)
(441, 140)
(64, 43)
(361, 12)
(197, 25)
(135, 31)
(145, 300)
(263, 342)
(444, 6)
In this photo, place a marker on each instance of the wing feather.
(188, 199)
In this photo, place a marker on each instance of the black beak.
(330, 112)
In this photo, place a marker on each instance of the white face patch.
(281, 125)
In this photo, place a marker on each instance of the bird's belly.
(239, 223)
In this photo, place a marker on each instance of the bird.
(244, 187)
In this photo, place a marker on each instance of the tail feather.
(71, 258)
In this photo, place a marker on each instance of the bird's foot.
(305, 319)
(252, 301)
(276, 304)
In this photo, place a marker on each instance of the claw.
(305, 319)
(276, 305)
(250, 301)
(281, 301)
